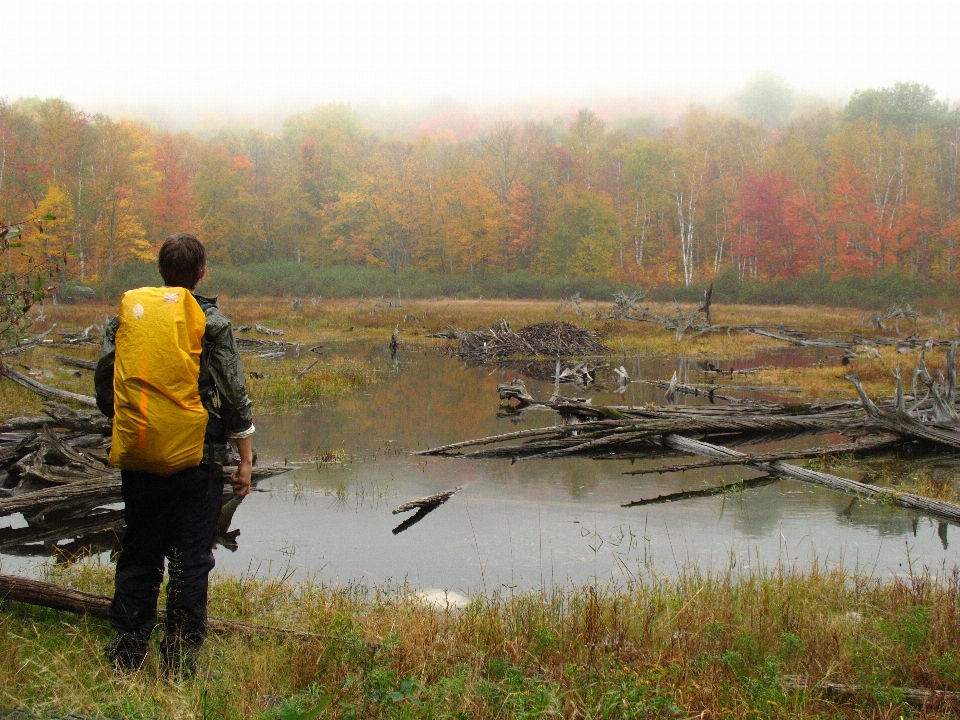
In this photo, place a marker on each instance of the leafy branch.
(22, 289)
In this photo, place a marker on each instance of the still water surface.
(529, 524)
(536, 523)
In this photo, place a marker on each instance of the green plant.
(22, 288)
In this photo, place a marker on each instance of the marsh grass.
(333, 322)
(694, 646)
(273, 386)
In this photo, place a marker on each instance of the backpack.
(159, 421)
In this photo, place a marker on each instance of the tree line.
(863, 190)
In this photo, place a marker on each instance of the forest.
(861, 190)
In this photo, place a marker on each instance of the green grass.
(695, 646)
(289, 279)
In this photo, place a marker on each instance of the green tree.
(767, 99)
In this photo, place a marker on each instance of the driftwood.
(44, 390)
(267, 331)
(423, 506)
(516, 391)
(584, 423)
(58, 597)
(431, 501)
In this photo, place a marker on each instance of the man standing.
(171, 377)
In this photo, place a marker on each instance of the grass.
(336, 322)
(722, 646)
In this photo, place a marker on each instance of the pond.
(535, 523)
(529, 524)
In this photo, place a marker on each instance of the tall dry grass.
(726, 645)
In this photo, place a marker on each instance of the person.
(174, 516)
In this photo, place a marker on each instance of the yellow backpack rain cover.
(159, 422)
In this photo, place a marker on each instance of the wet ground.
(525, 524)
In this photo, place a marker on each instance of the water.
(529, 524)
(535, 523)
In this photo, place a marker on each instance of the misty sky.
(208, 54)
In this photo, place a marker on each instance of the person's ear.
(203, 273)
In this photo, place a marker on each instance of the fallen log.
(706, 492)
(70, 528)
(60, 416)
(267, 331)
(26, 344)
(44, 390)
(104, 490)
(76, 362)
(901, 423)
(915, 696)
(58, 597)
(868, 444)
(307, 369)
(673, 387)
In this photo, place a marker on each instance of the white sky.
(206, 54)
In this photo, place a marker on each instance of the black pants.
(172, 517)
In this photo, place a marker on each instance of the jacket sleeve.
(103, 377)
(226, 371)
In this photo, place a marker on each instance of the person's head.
(182, 261)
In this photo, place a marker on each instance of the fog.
(178, 63)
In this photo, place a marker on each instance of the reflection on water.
(524, 524)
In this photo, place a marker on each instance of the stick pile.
(551, 339)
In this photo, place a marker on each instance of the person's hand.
(241, 478)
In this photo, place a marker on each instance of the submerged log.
(936, 508)
(705, 492)
(883, 442)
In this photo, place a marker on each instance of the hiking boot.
(179, 659)
(127, 652)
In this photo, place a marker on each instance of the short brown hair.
(182, 260)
